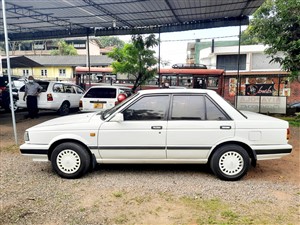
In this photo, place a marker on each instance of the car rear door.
(195, 125)
(142, 134)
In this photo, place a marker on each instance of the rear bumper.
(272, 151)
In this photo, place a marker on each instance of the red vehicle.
(193, 78)
(212, 79)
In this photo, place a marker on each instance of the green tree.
(64, 49)
(248, 39)
(108, 41)
(136, 59)
(277, 24)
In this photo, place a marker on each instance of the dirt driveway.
(150, 194)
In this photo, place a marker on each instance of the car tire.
(15, 105)
(64, 109)
(230, 162)
(70, 160)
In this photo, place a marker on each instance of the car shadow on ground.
(152, 168)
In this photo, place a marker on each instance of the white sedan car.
(160, 126)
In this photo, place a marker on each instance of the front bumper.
(34, 151)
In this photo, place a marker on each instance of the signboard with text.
(259, 89)
(262, 104)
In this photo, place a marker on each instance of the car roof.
(170, 90)
(109, 86)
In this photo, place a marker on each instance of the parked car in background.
(16, 86)
(295, 106)
(57, 96)
(99, 98)
(161, 126)
(4, 91)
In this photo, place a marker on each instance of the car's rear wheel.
(15, 107)
(64, 109)
(70, 160)
(230, 162)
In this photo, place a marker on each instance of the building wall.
(52, 72)
(260, 61)
(282, 85)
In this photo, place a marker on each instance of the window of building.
(230, 62)
(62, 72)
(25, 72)
(44, 73)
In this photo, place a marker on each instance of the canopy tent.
(33, 20)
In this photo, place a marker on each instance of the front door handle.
(156, 127)
(225, 127)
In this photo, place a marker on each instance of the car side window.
(188, 107)
(213, 112)
(148, 108)
(69, 89)
(79, 90)
(58, 88)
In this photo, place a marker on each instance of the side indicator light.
(92, 134)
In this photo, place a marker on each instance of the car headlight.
(26, 136)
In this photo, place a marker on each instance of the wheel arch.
(65, 101)
(249, 150)
(58, 142)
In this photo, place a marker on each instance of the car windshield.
(109, 112)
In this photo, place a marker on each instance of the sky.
(173, 45)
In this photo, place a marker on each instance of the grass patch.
(10, 148)
(118, 194)
(293, 120)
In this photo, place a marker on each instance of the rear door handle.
(156, 127)
(225, 127)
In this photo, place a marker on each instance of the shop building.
(254, 75)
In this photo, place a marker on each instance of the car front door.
(196, 124)
(142, 134)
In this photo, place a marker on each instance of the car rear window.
(101, 93)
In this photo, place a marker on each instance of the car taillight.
(49, 97)
(288, 133)
(120, 98)
(80, 104)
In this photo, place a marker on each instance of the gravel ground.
(144, 194)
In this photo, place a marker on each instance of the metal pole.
(88, 59)
(9, 72)
(159, 81)
(238, 69)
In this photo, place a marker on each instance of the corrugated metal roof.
(32, 19)
(80, 60)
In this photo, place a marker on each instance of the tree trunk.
(137, 82)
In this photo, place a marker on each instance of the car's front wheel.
(230, 162)
(70, 160)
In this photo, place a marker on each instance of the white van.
(99, 98)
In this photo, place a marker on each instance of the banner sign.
(259, 89)
(262, 104)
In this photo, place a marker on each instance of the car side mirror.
(119, 117)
